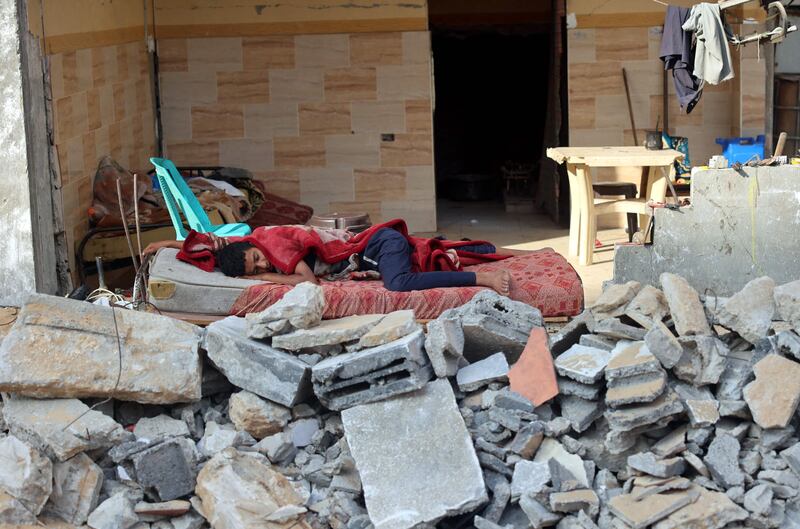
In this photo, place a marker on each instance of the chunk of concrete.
(552, 449)
(722, 460)
(787, 303)
(585, 500)
(616, 330)
(242, 490)
(663, 345)
(625, 419)
(703, 360)
(709, 510)
(758, 500)
(372, 374)
(671, 444)
(329, 332)
(256, 416)
(299, 308)
(792, 457)
(529, 478)
(114, 513)
(684, 306)
(63, 348)
(614, 299)
(641, 513)
(76, 489)
(444, 343)
(570, 334)
(583, 364)
(25, 474)
(483, 372)
(649, 463)
(774, 395)
(62, 428)
(636, 389)
(749, 312)
(581, 413)
(630, 360)
(165, 469)
(533, 375)
(160, 427)
(392, 327)
(427, 418)
(255, 366)
(217, 437)
(648, 307)
(13, 512)
(527, 440)
(567, 386)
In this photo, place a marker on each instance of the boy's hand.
(217, 243)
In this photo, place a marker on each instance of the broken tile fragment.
(444, 343)
(749, 312)
(392, 327)
(575, 500)
(533, 375)
(581, 413)
(583, 364)
(567, 386)
(529, 478)
(641, 513)
(616, 330)
(483, 372)
(628, 418)
(636, 389)
(703, 360)
(329, 332)
(552, 449)
(629, 360)
(710, 509)
(775, 393)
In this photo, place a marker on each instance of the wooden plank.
(613, 156)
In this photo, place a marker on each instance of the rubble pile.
(653, 408)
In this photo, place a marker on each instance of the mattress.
(542, 279)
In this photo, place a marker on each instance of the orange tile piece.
(533, 376)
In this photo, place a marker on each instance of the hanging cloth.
(712, 57)
(678, 56)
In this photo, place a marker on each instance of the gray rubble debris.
(628, 360)
(703, 360)
(774, 395)
(527, 440)
(218, 437)
(722, 460)
(257, 416)
(76, 489)
(649, 463)
(792, 457)
(392, 327)
(63, 348)
(567, 386)
(614, 299)
(444, 343)
(300, 308)
(529, 478)
(787, 303)
(538, 515)
(552, 449)
(160, 427)
(114, 513)
(572, 332)
(25, 475)
(429, 418)
(61, 428)
(372, 374)
(585, 500)
(641, 513)
(580, 412)
(597, 342)
(758, 500)
(329, 332)
(684, 306)
(582, 364)
(648, 307)
(626, 419)
(636, 389)
(749, 312)
(483, 372)
(165, 469)
(710, 510)
(615, 329)
(255, 366)
(663, 345)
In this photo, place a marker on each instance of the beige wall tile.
(69, 71)
(243, 87)
(56, 65)
(217, 121)
(371, 208)
(89, 154)
(581, 46)
(420, 182)
(352, 150)
(296, 86)
(263, 53)
(379, 184)
(373, 49)
(582, 113)
(110, 70)
(753, 113)
(644, 77)
(271, 119)
(654, 35)
(614, 111)
(215, 54)
(716, 110)
(614, 44)
(419, 214)
(319, 187)
(106, 94)
(196, 152)
(98, 67)
(121, 52)
(83, 59)
(284, 183)
(120, 109)
(299, 152)
(595, 137)
(378, 116)
(94, 118)
(591, 79)
(101, 144)
(412, 81)
(173, 55)
(419, 116)
(324, 118)
(321, 51)
(193, 87)
(351, 84)
(407, 149)
(416, 47)
(253, 155)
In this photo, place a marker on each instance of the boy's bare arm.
(302, 273)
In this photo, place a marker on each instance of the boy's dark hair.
(230, 259)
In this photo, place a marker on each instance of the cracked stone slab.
(709, 510)
(722, 460)
(427, 418)
(637, 389)
(615, 329)
(649, 463)
(552, 449)
(614, 299)
(567, 386)
(529, 478)
(749, 312)
(703, 360)
(663, 345)
(787, 303)
(684, 306)
(444, 343)
(632, 417)
(483, 372)
(581, 413)
(774, 395)
(329, 332)
(582, 364)
(299, 308)
(392, 327)
(641, 513)
(630, 360)
(648, 307)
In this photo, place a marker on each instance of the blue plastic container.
(742, 150)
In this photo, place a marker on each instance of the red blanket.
(285, 246)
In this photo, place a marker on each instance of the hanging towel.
(712, 58)
(678, 56)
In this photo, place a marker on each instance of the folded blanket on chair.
(285, 246)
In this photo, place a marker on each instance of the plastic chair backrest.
(180, 198)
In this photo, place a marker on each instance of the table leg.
(588, 232)
(575, 211)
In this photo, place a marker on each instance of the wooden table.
(657, 167)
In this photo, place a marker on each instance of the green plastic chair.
(179, 198)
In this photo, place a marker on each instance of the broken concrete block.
(372, 374)
(25, 474)
(430, 418)
(278, 448)
(165, 469)
(613, 300)
(392, 327)
(552, 449)
(569, 334)
(483, 372)
(616, 330)
(663, 345)
(329, 332)
(629, 360)
(255, 366)
(529, 478)
(641, 513)
(787, 303)
(580, 413)
(703, 360)
(218, 437)
(792, 457)
(649, 463)
(444, 343)
(758, 500)
(527, 440)
(629, 418)
(749, 312)
(702, 412)
(260, 493)
(538, 515)
(597, 341)
(644, 486)
(256, 416)
(76, 489)
(299, 308)
(710, 509)
(160, 427)
(671, 444)
(114, 513)
(722, 460)
(584, 364)
(774, 395)
(62, 348)
(684, 306)
(61, 428)
(13, 512)
(636, 389)
(533, 375)
(567, 386)
(648, 307)
(575, 500)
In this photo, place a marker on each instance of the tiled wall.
(102, 105)
(310, 115)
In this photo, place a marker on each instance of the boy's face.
(255, 262)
